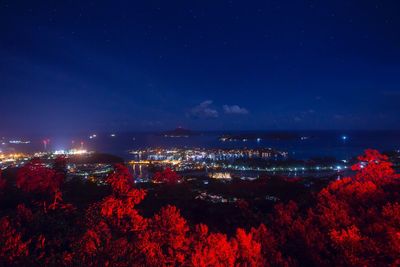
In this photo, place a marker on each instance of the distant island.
(178, 133)
(258, 136)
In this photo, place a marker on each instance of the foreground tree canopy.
(354, 221)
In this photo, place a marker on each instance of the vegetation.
(353, 221)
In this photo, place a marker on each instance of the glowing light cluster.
(19, 142)
(71, 152)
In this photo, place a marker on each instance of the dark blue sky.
(151, 65)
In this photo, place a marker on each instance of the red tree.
(166, 176)
(211, 249)
(114, 226)
(13, 248)
(354, 221)
(165, 241)
(3, 182)
(37, 178)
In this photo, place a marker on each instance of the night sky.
(204, 65)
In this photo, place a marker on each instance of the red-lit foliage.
(3, 182)
(374, 167)
(12, 246)
(166, 176)
(165, 239)
(248, 250)
(348, 224)
(211, 249)
(354, 221)
(35, 177)
(118, 209)
(24, 214)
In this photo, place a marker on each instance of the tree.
(166, 176)
(354, 221)
(248, 250)
(211, 249)
(35, 177)
(13, 248)
(165, 240)
(3, 182)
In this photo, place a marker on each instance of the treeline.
(353, 221)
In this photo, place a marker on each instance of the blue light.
(344, 137)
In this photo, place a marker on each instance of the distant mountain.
(258, 136)
(179, 132)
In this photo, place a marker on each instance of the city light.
(71, 152)
(19, 142)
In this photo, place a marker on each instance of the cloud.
(204, 110)
(235, 109)
(297, 119)
(338, 116)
